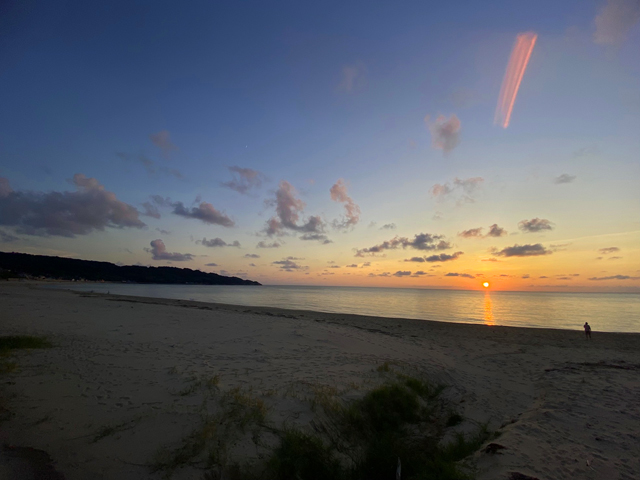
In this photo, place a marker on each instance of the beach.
(110, 393)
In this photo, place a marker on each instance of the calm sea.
(609, 312)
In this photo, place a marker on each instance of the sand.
(565, 408)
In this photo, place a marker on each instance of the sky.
(328, 143)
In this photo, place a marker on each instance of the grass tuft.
(15, 342)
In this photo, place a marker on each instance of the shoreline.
(257, 308)
(120, 362)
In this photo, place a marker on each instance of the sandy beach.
(110, 394)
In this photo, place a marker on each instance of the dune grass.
(17, 342)
(405, 419)
(401, 417)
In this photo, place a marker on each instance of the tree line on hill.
(26, 265)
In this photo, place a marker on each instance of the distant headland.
(24, 265)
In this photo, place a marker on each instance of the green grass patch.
(405, 418)
(16, 342)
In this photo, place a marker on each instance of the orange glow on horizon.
(513, 76)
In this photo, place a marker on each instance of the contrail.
(513, 76)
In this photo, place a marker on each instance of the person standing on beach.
(587, 330)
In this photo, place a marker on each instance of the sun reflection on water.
(488, 311)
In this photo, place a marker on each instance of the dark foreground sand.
(566, 408)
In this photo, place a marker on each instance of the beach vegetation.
(352, 436)
(16, 342)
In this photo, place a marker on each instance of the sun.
(485, 284)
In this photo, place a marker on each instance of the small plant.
(15, 342)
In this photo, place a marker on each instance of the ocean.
(609, 312)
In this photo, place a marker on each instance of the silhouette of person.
(587, 330)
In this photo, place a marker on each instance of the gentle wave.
(609, 312)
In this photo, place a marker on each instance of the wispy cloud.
(462, 189)
(535, 225)
(615, 277)
(352, 211)
(421, 241)
(608, 250)
(443, 257)
(289, 265)
(523, 251)
(445, 132)
(204, 212)
(7, 237)
(252, 255)
(150, 166)
(388, 226)
(455, 274)
(263, 244)
(564, 178)
(158, 251)
(244, 179)
(401, 273)
(217, 242)
(162, 140)
(471, 233)
(66, 214)
(353, 78)
(615, 21)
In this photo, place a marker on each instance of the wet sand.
(565, 408)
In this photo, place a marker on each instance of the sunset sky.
(326, 143)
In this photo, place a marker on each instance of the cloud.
(163, 232)
(7, 237)
(289, 265)
(535, 225)
(262, 244)
(352, 211)
(614, 258)
(608, 250)
(526, 275)
(443, 257)
(471, 233)
(401, 273)
(388, 226)
(322, 238)
(217, 242)
(415, 259)
(559, 247)
(150, 210)
(419, 273)
(163, 142)
(353, 265)
(464, 188)
(244, 179)
(252, 255)
(159, 252)
(421, 241)
(615, 20)
(445, 133)
(523, 251)
(615, 277)
(204, 212)
(149, 165)
(211, 265)
(353, 78)
(455, 274)
(564, 178)
(496, 231)
(489, 260)
(288, 212)
(66, 214)
(334, 266)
